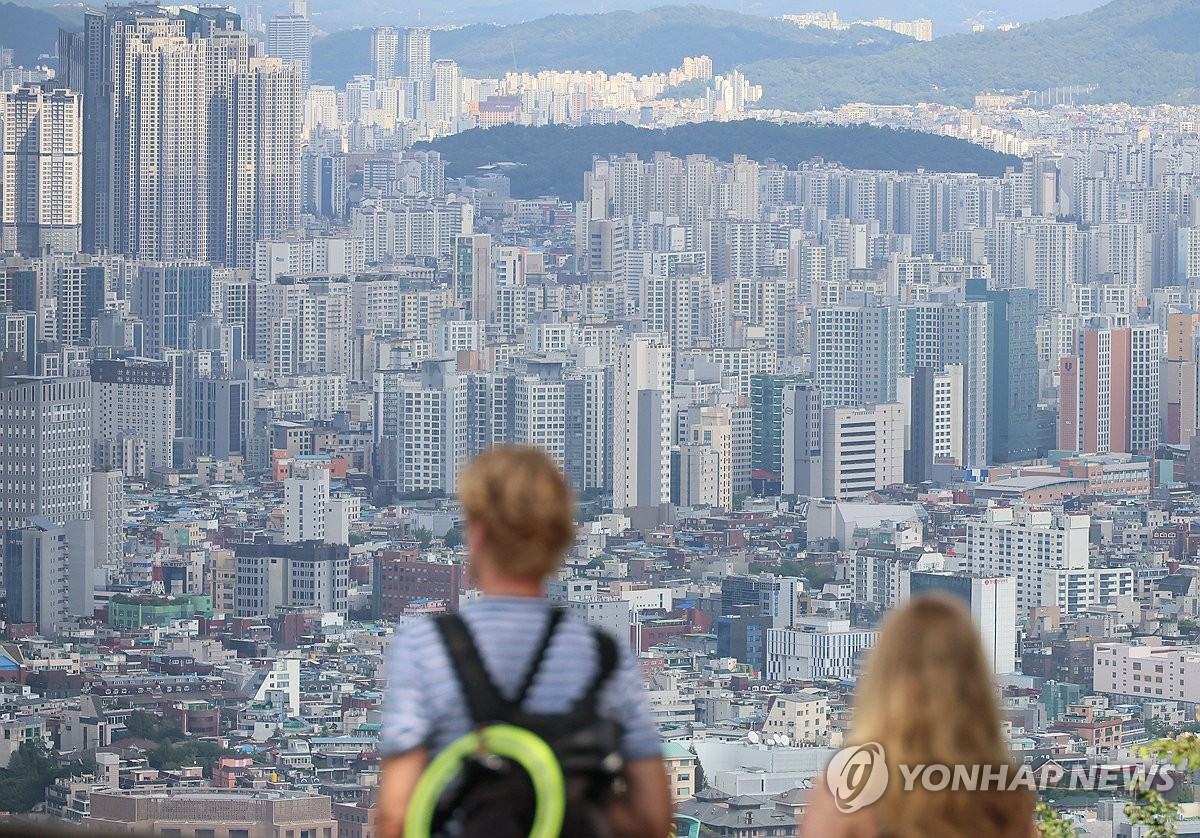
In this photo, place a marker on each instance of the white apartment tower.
(642, 424)
(385, 52)
(134, 414)
(41, 181)
(856, 351)
(706, 457)
(306, 504)
(265, 204)
(1046, 551)
(447, 91)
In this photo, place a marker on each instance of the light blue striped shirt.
(424, 704)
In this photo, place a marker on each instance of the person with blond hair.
(926, 698)
(530, 659)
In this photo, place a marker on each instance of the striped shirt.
(424, 704)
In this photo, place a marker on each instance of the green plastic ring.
(523, 747)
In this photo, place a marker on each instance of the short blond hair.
(521, 499)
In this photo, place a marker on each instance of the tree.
(453, 538)
(30, 770)
(171, 755)
(1051, 824)
(817, 575)
(424, 537)
(142, 725)
(1188, 626)
(1149, 807)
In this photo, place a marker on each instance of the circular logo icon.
(857, 776)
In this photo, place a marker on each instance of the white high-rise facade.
(289, 37)
(134, 414)
(642, 423)
(305, 504)
(266, 156)
(1047, 552)
(856, 351)
(41, 175)
(167, 123)
(385, 52)
(418, 70)
(862, 449)
(447, 91)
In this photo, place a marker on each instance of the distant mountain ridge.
(634, 42)
(551, 160)
(33, 32)
(1133, 51)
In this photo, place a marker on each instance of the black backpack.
(494, 797)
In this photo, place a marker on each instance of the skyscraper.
(447, 91)
(385, 51)
(642, 426)
(1109, 390)
(1012, 370)
(418, 70)
(290, 37)
(46, 461)
(41, 175)
(266, 156)
(856, 352)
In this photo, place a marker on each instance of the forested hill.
(551, 160)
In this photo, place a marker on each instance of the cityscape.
(262, 299)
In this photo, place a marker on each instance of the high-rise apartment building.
(48, 573)
(305, 504)
(418, 70)
(642, 425)
(704, 475)
(265, 147)
(289, 37)
(1047, 552)
(133, 415)
(857, 352)
(41, 172)
(1180, 386)
(385, 52)
(164, 146)
(1109, 390)
(46, 461)
(447, 91)
(947, 331)
(934, 402)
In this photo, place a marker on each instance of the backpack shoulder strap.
(606, 654)
(535, 663)
(484, 701)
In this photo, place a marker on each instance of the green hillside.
(634, 42)
(1133, 51)
(552, 159)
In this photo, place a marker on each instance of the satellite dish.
(784, 740)
(752, 737)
